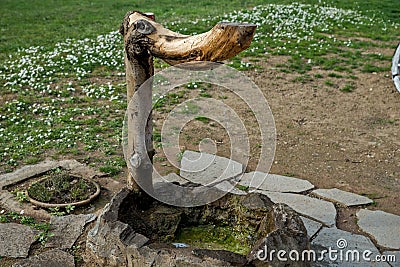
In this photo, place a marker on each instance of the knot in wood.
(144, 27)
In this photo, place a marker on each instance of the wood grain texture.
(143, 39)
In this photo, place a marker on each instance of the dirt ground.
(346, 140)
(335, 139)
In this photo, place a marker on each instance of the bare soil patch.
(338, 139)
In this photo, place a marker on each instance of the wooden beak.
(223, 41)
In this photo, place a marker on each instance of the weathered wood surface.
(223, 41)
(143, 39)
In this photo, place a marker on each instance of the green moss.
(215, 237)
(202, 119)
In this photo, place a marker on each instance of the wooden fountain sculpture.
(136, 229)
(143, 39)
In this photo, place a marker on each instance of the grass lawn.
(44, 22)
(62, 81)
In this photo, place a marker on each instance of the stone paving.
(15, 240)
(383, 226)
(67, 229)
(340, 240)
(207, 169)
(274, 183)
(319, 212)
(51, 258)
(342, 197)
(317, 207)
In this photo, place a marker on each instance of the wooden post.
(143, 39)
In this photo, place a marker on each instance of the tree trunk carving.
(143, 39)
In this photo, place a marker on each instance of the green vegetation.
(330, 83)
(113, 166)
(349, 87)
(164, 102)
(43, 227)
(202, 119)
(62, 74)
(59, 187)
(242, 187)
(43, 22)
(214, 237)
(56, 211)
(20, 195)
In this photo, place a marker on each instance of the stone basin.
(137, 230)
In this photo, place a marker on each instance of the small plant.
(242, 187)
(39, 191)
(69, 208)
(157, 136)
(303, 78)
(74, 251)
(179, 156)
(4, 219)
(348, 88)
(14, 216)
(42, 237)
(45, 227)
(335, 75)
(26, 220)
(238, 64)
(372, 68)
(78, 191)
(190, 108)
(202, 119)
(110, 170)
(204, 94)
(29, 221)
(330, 83)
(56, 212)
(169, 99)
(20, 196)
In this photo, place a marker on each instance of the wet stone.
(15, 240)
(342, 197)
